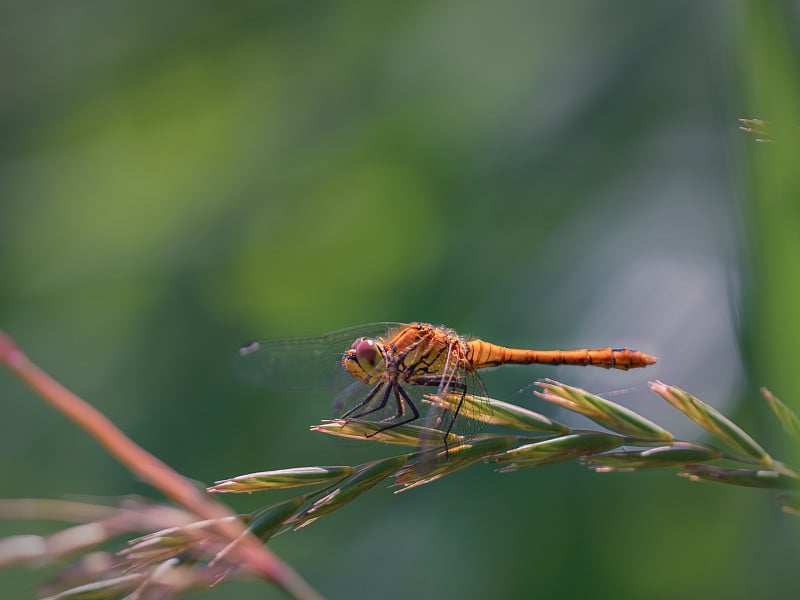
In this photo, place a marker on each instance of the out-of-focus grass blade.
(497, 412)
(100, 590)
(63, 510)
(711, 420)
(556, 450)
(678, 454)
(155, 550)
(18, 550)
(764, 478)
(112, 522)
(36, 550)
(790, 504)
(366, 476)
(167, 580)
(785, 414)
(446, 462)
(280, 479)
(604, 412)
(757, 127)
(404, 435)
(158, 546)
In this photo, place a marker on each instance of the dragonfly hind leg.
(457, 385)
(403, 401)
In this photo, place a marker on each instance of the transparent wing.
(457, 404)
(351, 396)
(455, 407)
(304, 363)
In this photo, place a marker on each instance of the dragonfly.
(386, 371)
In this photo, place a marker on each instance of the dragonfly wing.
(474, 408)
(352, 396)
(458, 403)
(303, 363)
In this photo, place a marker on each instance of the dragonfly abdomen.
(484, 354)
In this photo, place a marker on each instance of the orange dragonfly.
(391, 368)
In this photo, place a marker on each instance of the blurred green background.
(177, 178)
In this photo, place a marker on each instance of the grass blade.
(785, 415)
(404, 435)
(447, 462)
(556, 450)
(604, 412)
(280, 479)
(764, 478)
(497, 412)
(365, 477)
(712, 421)
(679, 454)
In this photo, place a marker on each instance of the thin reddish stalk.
(151, 469)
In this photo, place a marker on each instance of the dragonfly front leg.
(353, 412)
(367, 399)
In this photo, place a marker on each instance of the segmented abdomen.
(482, 354)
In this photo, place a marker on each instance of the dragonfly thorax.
(417, 354)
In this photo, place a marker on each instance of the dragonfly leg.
(403, 401)
(455, 415)
(456, 385)
(401, 407)
(384, 400)
(366, 401)
(400, 392)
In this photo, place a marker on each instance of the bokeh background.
(177, 178)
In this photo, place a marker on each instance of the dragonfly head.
(364, 360)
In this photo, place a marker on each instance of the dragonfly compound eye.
(366, 352)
